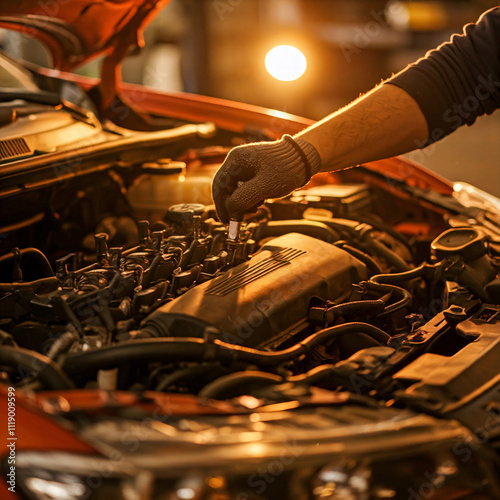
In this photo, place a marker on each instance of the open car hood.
(70, 31)
(344, 345)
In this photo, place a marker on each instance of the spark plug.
(233, 236)
(233, 232)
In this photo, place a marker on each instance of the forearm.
(383, 123)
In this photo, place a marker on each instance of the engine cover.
(261, 301)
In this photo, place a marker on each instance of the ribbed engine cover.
(262, 300)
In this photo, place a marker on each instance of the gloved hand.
(253, 172)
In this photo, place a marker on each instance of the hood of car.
(78, 30)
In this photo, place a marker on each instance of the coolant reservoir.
(165, 183)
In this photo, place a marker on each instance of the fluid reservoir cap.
(183, 213)
(468, 242)
(164, 166)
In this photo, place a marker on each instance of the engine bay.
(371, 303)
(341, 342)
(314, 292)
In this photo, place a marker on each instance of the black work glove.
(253, 172)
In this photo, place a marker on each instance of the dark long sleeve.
(458, 81)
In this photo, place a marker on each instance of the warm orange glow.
(285, 63)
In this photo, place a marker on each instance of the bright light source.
(185, 493)
(285, 63)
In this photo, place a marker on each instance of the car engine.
(343, 343)
(351, 284)
(376, 298)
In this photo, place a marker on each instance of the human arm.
(385, 122)
(448, 88)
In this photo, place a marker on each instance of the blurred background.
(222, 48)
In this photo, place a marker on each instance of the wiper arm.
(8, 115)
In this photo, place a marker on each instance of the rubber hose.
(11, 287)
(391, 257)
(45, 369)
(369, 307)
(426, 271)
(363, 257)
(217, 388)
(175, 349)
(182, 374)
(405, 296)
